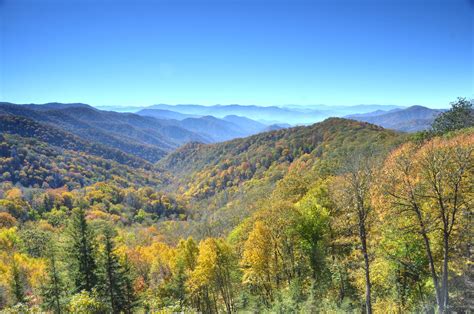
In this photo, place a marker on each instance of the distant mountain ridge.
(284, 114)
(244, 122)
(209, 127)
(253, 112)
(411, 119)
(165, 114)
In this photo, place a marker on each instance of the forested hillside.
(144, 137)
(340, 216)
(56, 137)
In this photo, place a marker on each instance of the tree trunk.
(57, 289)
(445, 273)
(363, 240)
(434, 276)
(368, 303)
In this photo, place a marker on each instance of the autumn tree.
(185, 262)
(431, 184)
(258, 262)
(352, 194)
(212, 279)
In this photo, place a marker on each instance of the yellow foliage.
(13, 194)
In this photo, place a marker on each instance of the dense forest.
(340, 216)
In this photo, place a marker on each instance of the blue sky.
(263, 52)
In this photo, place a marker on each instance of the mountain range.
(212, 129)
(407, 119)
(142, 136)
(291, 114)
(148, 135)
(152, 133)
(411, 119)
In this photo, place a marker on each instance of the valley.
(250, 156)
(242, 224)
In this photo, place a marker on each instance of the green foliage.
(53, 290)
(17, 284)
(113, 277)
(34, 240)
(312, 225)
(461, 115)
(82, 253)
(86, 302)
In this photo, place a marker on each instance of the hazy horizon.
(300, 106)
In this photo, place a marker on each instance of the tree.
(185, 262)
(81, 252)
(86, 302)
(461, 115)
(212, 278)
(446, 171)
(53, 289)
(130, 295)
(312, 224)
(114, 283)
(17, 283)
(258, 263)
(7, 220)
(351, 193)
(430, 186)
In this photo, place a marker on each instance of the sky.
(261, 52)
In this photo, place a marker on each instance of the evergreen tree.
(53, 290)
(17, 283)
(82, 252)
(114, 281)
(130, 297)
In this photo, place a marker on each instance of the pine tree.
(82, 253)
(130, 297)
(17, 283)
(114, 281)
(53, 290)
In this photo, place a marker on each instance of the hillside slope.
(31, 162)
(276, 146)
(25, 127)
(225, 182)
